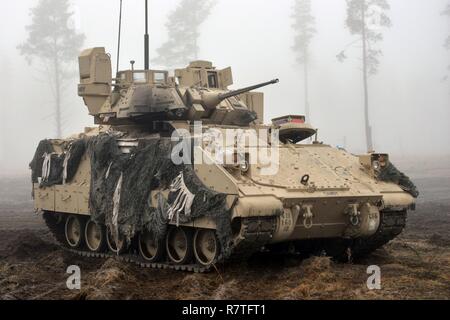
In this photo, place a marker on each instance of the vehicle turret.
(197, 92)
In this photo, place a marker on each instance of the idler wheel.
(73, 231)
(206, 247)
(94, 235)
(150, 248)
(116, 247)
(179, 245)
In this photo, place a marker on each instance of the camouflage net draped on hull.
(55, 168)
(121, 187)
(44, 147)
(392, 174)
(148, 168)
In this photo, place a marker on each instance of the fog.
(409, 98)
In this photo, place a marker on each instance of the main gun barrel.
(234, 93)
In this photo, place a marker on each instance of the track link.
(130, 258)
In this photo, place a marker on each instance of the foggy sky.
(410, 103)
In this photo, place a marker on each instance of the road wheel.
(73, 231)
(150, 248)
(179, 245)
(94, 235)
(206, 247)
(116, 247)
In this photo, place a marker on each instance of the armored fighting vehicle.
(181, 172)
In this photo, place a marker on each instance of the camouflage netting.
(149, 167)
(44, 147)
(76, 151)
(392, 174)
(56, 171)
(71, 158)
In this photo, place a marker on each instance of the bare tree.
(366, 19)
(183, 25)
(54, 41)
(304, 28)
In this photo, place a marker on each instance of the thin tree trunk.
(369, 142)
(57, 97)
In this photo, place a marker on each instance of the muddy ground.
(414, 266)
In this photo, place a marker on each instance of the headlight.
(376, 165)
(244, 166)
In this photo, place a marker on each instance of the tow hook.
(307, 217)
(354, 214)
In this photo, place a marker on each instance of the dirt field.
(414, 266)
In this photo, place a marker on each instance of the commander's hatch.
(203, 74)
(293, 129)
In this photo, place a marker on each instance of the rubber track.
(257, 234)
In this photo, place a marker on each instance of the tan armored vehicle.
(181, 172)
